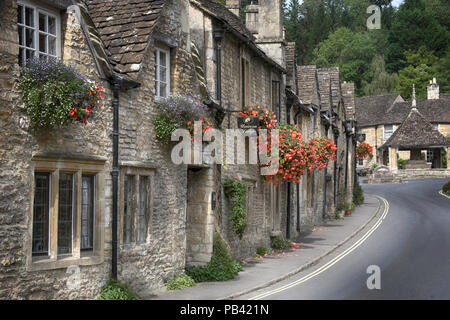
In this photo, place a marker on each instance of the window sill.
(64, 262)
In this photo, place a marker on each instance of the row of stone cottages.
(76, 198)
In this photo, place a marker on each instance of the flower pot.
(347, 212)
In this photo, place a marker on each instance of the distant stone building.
(378, 117)
(67, 201)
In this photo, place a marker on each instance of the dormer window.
(39, 32)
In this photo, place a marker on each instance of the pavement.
(316, 244)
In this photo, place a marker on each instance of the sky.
(396, 3)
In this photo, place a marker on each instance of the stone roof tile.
(125, 28)
(416, 132)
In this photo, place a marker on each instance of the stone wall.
(145, 266)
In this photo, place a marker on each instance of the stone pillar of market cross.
(393, 160)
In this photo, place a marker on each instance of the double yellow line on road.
(334, 260)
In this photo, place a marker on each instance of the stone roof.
(125, 28)
(324, 89)
(335, 84)
(416, 132)
(306, 83)
(371, 110)
(392, 109)
(348, 95)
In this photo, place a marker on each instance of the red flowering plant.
(324, 150)
(295, 156)
(55, 94)
(194, 126)
(363, 150)
(267, 119)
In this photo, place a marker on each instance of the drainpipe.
(115, 176)
(346, 160)
(298, 187)
(289, 105)
(324, 207)
(335, 166)
(218, 35)
(117, 83)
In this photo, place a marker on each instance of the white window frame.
(158, 51)
(385, 131)
(36, 10)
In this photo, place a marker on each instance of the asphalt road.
(411, 247)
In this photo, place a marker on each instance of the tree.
(421, 68)
(442, 68)
(382, 82)
(414, 26)
(352, 52)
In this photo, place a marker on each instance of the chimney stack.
(433, 90)
(251, 18)
(270, 36)
(234, 6)
(413, 100)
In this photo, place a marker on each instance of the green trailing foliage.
(114, 290)
(401, 163)
(280, 243)
(261, 251)
(222, 266)
(358, 194)
(236, 191)
(180, 282)
(446, 188)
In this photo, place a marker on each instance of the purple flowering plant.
(180, 111)
(55, 94)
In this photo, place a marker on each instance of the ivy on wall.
(236, 190)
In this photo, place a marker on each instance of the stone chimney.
(234, 6)
(270, 36)
(251, 18)
(413, 100)
(433, 90)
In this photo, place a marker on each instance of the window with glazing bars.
(162, 73)
(128, 217)
(41, 214)
(87, 212)
(38, 32)
(143, 208)
(276, 98)
(65, 213)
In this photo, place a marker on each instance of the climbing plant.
(236, 190)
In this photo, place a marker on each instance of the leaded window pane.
(41, 214)
(65, 213)
(128, 217)
(42, 42)
(29, 17)
(20, 14)
(42, 22)
(51, 25)
(29, 38)
(51, 45)
(87, 212)
(143, 209)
